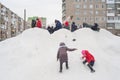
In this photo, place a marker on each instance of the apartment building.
(113, 16)
(93, 11)
(10, 23)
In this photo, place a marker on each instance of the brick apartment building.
(10, 23)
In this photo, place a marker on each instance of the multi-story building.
(113, 16)
(104, 12)
(10, 23)
(43, 20)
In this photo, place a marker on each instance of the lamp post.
(24, 19)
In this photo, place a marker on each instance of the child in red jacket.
(88, 58)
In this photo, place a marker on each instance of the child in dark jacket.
(88, 59)
(62, 55)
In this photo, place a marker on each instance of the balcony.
(110, 14)
(117, 1)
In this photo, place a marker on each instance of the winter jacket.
(58, 25)
(62, 53)
(66, 24)
(88, 56)
(38, 24)
(33, 23)
(73, 27)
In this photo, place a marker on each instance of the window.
(84, 6)
(84, 0)
(91, 12)
(103, 6)
(96, 6)
(96, 19)
(110, 24)
(77, 0)
(111, 6)
(91, 0)
(77, 18)
(96, 12)
(85, 13)
(77, 12)
(111, 11)
(110, 18)
(103, 19)
(91, 6)
(117, 26)
(103, 0)
(77, 6)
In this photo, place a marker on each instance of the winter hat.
(62, 44)
(84, 52)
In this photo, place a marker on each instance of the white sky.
(51, 9)
(32, 55)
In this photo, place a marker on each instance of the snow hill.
(32, 55)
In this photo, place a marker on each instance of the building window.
(96, 19)
(117, 26)
(77, 18)
(77, 0)
(91, 0)
(118, 17)
(84, 19)
(77, 6)
(97, 0)
(112, 6)
(91, 12)
(110, 11)
(110, 24)
(96, 12)
(91, 6)
(77, 12)
(96, 6)
(110, 18)
(103, 19)
(84, 0)
(84, 6)
(103, 0)
(85, 13)
(103, 6)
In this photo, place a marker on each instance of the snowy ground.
(32, 55)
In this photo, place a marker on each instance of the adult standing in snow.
(62, 55)
(38, 23)
(88, 59)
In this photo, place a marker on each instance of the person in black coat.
(73, 27)
(95, 27)
(33, 24)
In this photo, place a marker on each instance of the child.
(62, 55)
(88, 58)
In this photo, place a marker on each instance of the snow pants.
(61, 63)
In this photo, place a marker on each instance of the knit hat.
(84, 52)
(62, 44)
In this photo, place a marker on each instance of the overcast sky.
(51, 9)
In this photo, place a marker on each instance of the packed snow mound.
(32, 55)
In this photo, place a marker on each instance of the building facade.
(10, 23)
(93, 11)
(113, 16)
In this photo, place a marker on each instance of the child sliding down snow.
(88, 59)
(62, 55)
